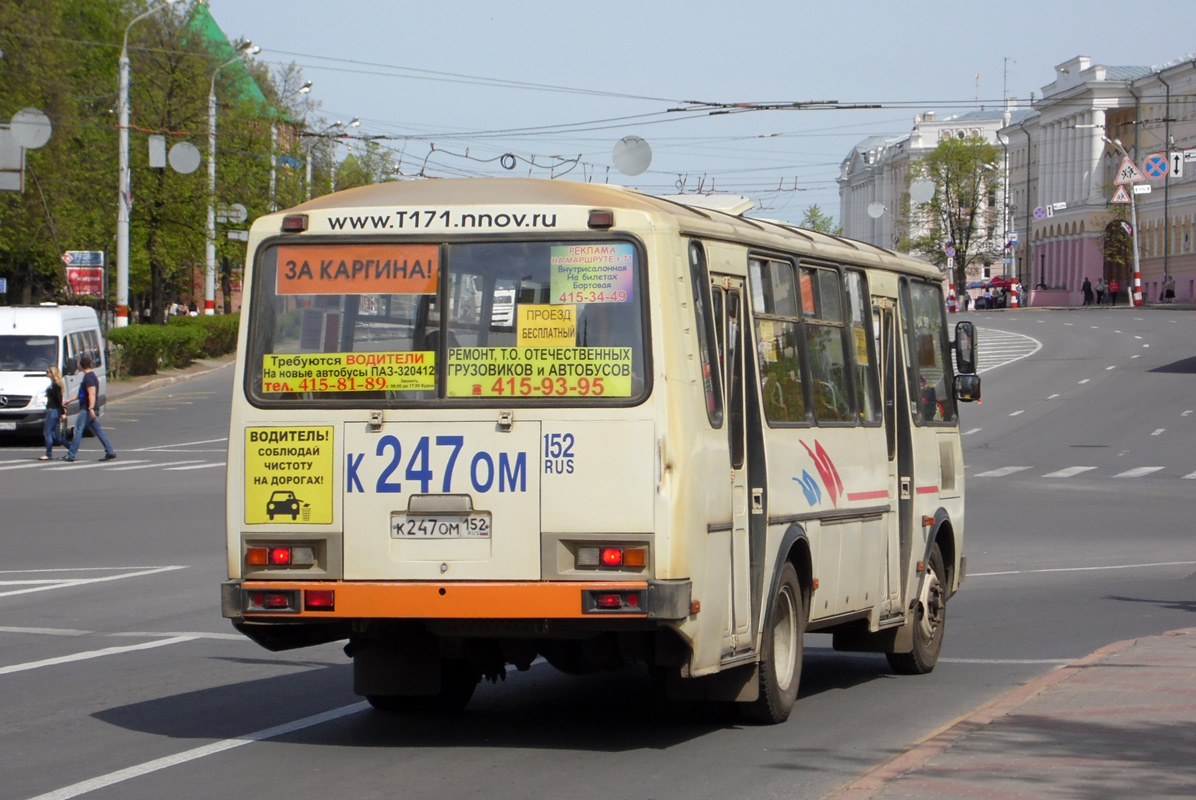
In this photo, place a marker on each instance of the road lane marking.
(1190, 476)
(1111, 366)
(1015, 413)
(69, 582)
(1157, 432)
(27, 465)
(1067, 472)
(1085, 380)
(973, 430)
(90, 654)
(1081, 569)
(237, 637)
(179, 444)
(77, 466)
(1186, 413)
(1138, 337)
(197, 466)
(1137, 473)
(145, 768)
(152, 464)
(1135, 356)
(1052, 397)
(1093, 327)
(1000, 473)
(1063, 661)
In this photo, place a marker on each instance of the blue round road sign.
(1039, 213)
(1155, 166)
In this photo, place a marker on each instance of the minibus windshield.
(28, 353)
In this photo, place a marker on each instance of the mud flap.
(735, 685)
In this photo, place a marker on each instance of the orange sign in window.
(358, 269)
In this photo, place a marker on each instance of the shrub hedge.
(144, 349)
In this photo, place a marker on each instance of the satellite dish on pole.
(921, 190)
(876, 210)
(184, 158)
(30, 128)
(632, 155)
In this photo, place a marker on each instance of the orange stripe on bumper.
(506, 600)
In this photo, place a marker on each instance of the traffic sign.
(83, 258)
(1120, 196)
(1013, 237)
(1155, 166)
(85, 280)
(1128, 172)
(1142, 188)
(950, 252)
(1177, 163)
(1058, 206)
(1190, 155)
(1040, 213)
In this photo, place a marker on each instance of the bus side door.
(729, 315)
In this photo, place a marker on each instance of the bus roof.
(701, 217)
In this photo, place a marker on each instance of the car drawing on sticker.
(283, 502)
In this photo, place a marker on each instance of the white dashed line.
(197, 466)
(1111, 366)
(1000, 473)
(1137, 473)
(1052, 397)
(969, 433)
(1067, 472)
(1085, 380)
(1015, 413)
(1157, 432)
(107, 651)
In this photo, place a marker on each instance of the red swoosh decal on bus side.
(826, 471)
(881, 494)
(831, 464)
(927, 490)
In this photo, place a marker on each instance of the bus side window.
(704, 325)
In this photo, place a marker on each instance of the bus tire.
(929, 622)
(781, 652)
(458, 679)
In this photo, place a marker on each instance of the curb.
(158, 383)
(878, 778)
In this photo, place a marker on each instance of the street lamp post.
(209, 286)
(353, 123)
(304, 89)
(1136, 292)
(124, 201)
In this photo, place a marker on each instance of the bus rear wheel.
(458, 680)
(782, 650)
(929, 621)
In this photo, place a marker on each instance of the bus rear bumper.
(316, 601)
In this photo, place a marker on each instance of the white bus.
(477, 422)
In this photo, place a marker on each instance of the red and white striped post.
(1137, 288)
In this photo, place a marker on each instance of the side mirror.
(69, 366)
(967, 388)
(965, 349)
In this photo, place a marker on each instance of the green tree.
(963, 211)
(815, 219)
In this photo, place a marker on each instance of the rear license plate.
(442, 526)
(8, 426)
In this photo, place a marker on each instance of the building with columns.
(1059, 179)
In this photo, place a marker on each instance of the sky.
(453, 86)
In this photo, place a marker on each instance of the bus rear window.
(351, 324)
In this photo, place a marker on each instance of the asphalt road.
(119, 678)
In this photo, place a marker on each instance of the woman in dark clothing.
(54, 410)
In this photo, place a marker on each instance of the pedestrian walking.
(55, 411)
(1169, 289)
(1114, 288)
(1100, 290)
(1087, 290)
(89, 389)
(988, 298)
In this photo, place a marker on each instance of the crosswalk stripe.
(27, 465)
(1191, 476)
(1000, 473)
(1068, 472)
(1137, 473)
(197, 466)
(152, 464)
(78, 466)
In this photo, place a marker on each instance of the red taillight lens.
(612, 556)
(294, 223)
(609, 601)
(319, 600)
(276, 601)
(633, 600)
(280, 556)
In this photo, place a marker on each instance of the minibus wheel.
(929, 621)
(781, 656)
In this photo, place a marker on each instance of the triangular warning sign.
(1120, 196)
(1128, 172)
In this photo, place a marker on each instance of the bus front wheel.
(929, 621)
(780, 665)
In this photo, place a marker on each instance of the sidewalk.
(1118, 723)
(118, 390)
